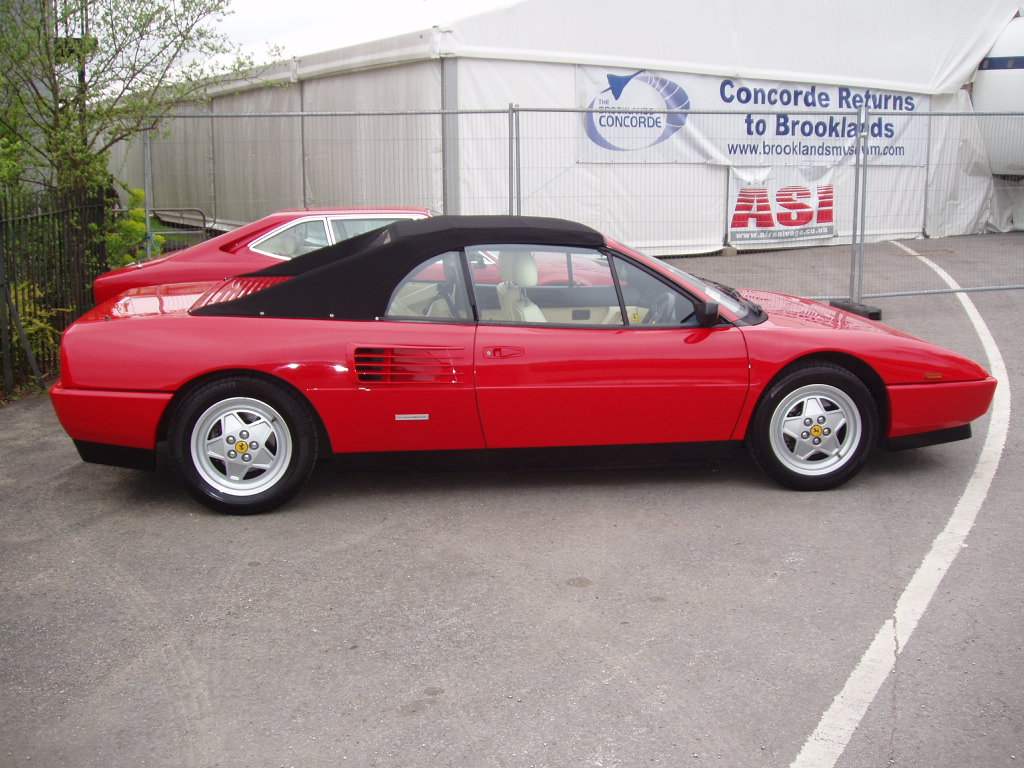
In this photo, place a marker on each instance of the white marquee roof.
(921, 46)
(917, 46)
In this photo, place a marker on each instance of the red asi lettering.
(826, 195)
(753, 204)
(796, 213)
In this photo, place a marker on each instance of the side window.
(538, 284)
(343, 229)
(433, 290)
(649, 301)
(301, 237)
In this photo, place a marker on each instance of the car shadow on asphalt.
(737, 472)
(330, 483)
(160, 489)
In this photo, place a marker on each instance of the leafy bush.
(126, 240)
(39, 320)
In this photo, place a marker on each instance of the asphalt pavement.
(672, 617)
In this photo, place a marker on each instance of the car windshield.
(727, 297)
(723, 294)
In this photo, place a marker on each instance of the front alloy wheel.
(815, 427)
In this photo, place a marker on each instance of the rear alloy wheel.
(814, 428)
(242, 445)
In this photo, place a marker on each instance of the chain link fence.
(840, 179)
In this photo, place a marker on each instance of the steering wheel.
(662, 310)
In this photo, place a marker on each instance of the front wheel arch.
(868, 376)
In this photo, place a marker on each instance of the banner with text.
(644, 116)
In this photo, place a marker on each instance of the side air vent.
(410, 365)
(236, 288)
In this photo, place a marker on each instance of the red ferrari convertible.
(494, 340)
(274, 238)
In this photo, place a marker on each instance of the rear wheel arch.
(183, 392)
(242, 442)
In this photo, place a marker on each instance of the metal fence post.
(147, 181)
(856, 211)
(927, 176)
(859, 234)
(450, 182)
(859, 203)
(864, 133)
(302, 142)
(213, 162)
(511, 160)
(515, 178)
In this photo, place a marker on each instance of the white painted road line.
(825, 746)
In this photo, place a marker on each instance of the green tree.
(79, 76)
(11, 151)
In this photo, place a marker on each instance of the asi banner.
(780, 205)
(645, 116)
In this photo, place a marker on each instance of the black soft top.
(353, 279)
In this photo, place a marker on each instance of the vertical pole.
(860, 160)
(927, 174)
(213, 164)
(302, 137)
(863, 204)
(511, 160)
(450, 191)
(856, 211)
(147, 184)
(725, 206)
(519, 167)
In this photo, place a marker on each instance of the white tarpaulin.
(915, 46)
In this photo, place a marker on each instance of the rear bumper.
(116, 455)
(126, 420)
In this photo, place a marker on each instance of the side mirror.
(707, 314)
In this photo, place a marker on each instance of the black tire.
(814, 428)
(242, 445)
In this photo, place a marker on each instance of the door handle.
(504, 352)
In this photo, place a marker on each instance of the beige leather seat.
(519, 271)
(448, 301)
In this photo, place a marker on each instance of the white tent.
(930, 47)
(667, 184)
